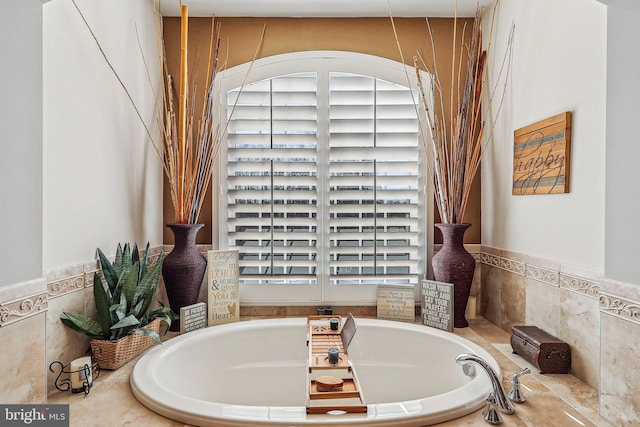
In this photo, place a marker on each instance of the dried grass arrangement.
(190, 137)
(190, 144)
(454, 151)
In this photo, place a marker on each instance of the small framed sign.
(396, 302)
(436, 302)
(223, 297)
(193, 317)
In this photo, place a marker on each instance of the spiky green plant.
(123, 303)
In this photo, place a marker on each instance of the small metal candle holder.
(85, 372)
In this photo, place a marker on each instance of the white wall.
(623, 145)
(102, 177)
(21, 141)
(559, 64)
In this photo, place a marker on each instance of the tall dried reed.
(191, 144)
(190, 137)
(454, 149)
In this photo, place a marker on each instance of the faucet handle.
(521, 373)
(490, 413)
(515, 395)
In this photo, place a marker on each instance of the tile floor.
(552, 400)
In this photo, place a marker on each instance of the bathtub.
(253, 373)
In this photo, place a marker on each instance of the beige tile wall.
(560, 299)
(22, 338)
(600, 319)
(620, 341)
(70, 290)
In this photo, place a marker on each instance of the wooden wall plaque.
(396, 302)
(541, 156)
(223, 296)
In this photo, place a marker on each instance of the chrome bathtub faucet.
(490, 413)
(515, 395)
(498, 399)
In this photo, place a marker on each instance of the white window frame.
(322, 63)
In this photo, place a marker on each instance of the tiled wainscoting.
(560, 299)
(599, 318)
(32, 335)
(22, 342)
(620, 352)
(71, 290)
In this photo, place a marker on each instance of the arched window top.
(317, 61)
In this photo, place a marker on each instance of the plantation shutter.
(374, 181)
(272, 179)
(323, 181)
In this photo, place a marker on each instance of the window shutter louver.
(323, 181)
(374, 181)
(272, 179)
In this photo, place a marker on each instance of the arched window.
(322, 189)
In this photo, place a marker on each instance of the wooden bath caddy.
(331, 387)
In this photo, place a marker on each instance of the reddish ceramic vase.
(453, 264)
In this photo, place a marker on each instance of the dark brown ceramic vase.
(453, 264)
(183, 269)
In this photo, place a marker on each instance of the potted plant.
(125, 324)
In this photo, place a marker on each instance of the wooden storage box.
(550, 354)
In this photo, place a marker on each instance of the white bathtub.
(254, 373)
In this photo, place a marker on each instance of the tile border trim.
(59, 287)
(553, 277)
(580, 285)
(23, 308)
(544, 275)
(74, 282)
(513, 266)
(617, 306)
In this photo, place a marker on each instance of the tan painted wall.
(374, 36)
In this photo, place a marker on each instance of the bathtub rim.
(202, 413)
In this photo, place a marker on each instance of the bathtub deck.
(552, 399)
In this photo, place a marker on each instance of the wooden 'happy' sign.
(541, 156)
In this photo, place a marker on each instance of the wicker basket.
(113, 354)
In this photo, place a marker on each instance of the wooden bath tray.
(320, 325)
(349, 390)
(348, 399)
(320, 338)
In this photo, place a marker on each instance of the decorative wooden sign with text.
(193, 317)
(541, 156)
(224, 298)
(396, 302)
(436, 302)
